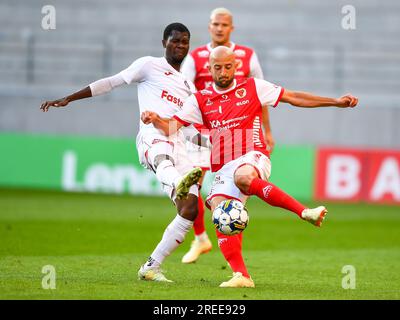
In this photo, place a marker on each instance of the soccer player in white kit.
(238, 154)
(163, 89)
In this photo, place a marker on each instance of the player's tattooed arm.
(168, 126)
(81, 94)
(308, 100)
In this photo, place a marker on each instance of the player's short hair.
(222, 11)
(176, 26)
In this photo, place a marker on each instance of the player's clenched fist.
(149, 117)
(347, 101)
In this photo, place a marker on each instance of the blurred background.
(301, 44)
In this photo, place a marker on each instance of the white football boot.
(196, 249)
(152, 274)
(238, 281)
(183, 185)
(315, 216)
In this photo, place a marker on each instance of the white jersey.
(161, 88)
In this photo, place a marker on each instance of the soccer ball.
(230, 217)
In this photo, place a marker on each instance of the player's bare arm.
(308, 100)
(168, 126)
(96, 88)
(63, 102)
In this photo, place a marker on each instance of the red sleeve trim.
(280, 97)
(185, 123)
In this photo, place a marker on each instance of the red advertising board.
(358, 175)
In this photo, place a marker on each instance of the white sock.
(202, 237)
(173, 236)
(151, 263)
(167, 174)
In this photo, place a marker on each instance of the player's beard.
(225, 83)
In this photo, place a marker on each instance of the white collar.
(170, 67)
(224, 91)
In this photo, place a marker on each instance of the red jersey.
(233, 117)
(196, 67)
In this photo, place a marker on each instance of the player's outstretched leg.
(201, 244)
(173, 236)
(276, 197)
(248, 181)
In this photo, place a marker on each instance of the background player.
(238, 155)
(161, 88)
(195, 67)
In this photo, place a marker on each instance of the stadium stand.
(300, 43)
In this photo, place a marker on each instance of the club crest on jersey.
(203, 54)
(240, 93)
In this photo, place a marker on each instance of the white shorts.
(150, 144)
(200, 156)
(224, 185)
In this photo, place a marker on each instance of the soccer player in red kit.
(238, 154)
(195, 68)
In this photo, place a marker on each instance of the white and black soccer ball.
(230, 217)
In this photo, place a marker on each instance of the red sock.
(198, 224)
(231, 248)
(240, 236)
(274, 196)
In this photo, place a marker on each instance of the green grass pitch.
(97, 243)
